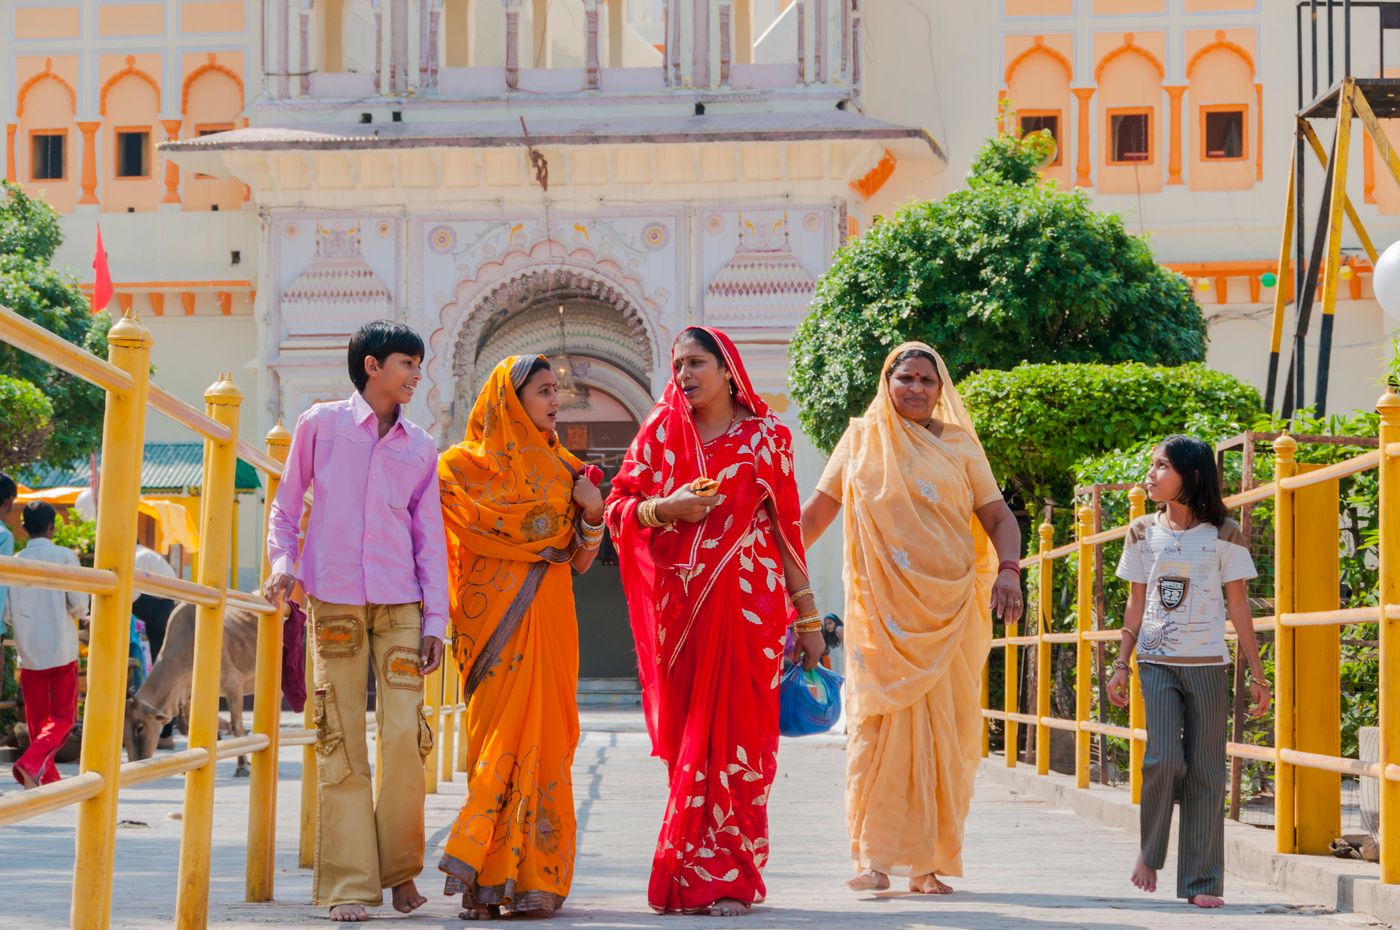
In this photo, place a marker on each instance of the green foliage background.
(1007, 271)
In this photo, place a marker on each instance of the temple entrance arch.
(611, 350)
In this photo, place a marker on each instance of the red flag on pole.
(102, 281)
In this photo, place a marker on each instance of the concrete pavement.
(1028, 865)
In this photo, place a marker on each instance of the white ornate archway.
(623, 344)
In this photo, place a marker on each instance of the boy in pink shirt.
(374, 568)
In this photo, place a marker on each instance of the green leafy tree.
(1008, 271)
(30, 286)
(26, 420)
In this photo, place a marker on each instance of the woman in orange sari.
(519, 514)
(925, 528)
(709, 574)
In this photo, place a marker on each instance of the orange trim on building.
(129, 71)
(1038, 47)
(1243, 111)
(89, 175)
(1259, 131)
(1127, 47)
(1174, 93)
(1220, 43)
(11, 169)
(48, 132)
(874, 179)
(210, 65)
(1108, 116)
(46, 74)
(1081, 173)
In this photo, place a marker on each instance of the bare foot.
(929, 884)
(1143, 877)
(728, 907)
(349, 913)
(25, 779)
(406, 898)
(869, 880)
(480, 913)
(1208, 900)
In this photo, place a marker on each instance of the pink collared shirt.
(375, 534)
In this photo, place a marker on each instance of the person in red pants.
(45, 631)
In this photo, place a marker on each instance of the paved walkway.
(1028, 865)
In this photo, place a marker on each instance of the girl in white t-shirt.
(1189, 566)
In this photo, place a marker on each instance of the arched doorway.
(609, 354)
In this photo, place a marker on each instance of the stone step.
(612, 691)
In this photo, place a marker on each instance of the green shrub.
(26, 420)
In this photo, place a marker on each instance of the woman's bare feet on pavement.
(869, 880)
(406, 897)
(1143, 877)
(349, 913)
(1208, 900)
(728, 907)
(481, 913)
(929, 884)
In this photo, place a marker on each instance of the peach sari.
(918, 571)
(509, 515)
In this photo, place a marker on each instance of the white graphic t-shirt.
(1185, 572)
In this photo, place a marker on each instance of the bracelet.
(805, 590)
(591, 527)
(646, 514)
(808, 626)
(1009, 565)
(1119, 663)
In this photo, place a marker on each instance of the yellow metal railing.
(1307, 766)
(111, 580)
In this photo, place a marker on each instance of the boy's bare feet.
(728, 907)
(349, 913)
(480, 913)
(929, 884)
(406, 897)
(1208, 900)
(869, 880)
(1143, 877)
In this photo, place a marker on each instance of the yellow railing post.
(432, 696)
(451, 690)
(123, 445)
(267, 713)
(1137, 714)
(222, 401)
(1389, 407)
(1045, 606)
(1285, 836)
(1083, 668)
(986, 704)
(1011, 693)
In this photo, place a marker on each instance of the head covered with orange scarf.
(507, 487)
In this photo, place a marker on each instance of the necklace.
(1176, 535)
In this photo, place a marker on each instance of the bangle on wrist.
(1009, 565)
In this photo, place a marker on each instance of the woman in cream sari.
(519, 514)
(925, 526)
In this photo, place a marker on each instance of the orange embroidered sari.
(509, 516)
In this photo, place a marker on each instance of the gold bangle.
(801, 627)
(805, 590)
(646, 513)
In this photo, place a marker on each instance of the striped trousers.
(1187, 708)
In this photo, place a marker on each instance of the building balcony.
(525, 52)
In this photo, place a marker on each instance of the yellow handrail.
(60, 353)
(28, 573)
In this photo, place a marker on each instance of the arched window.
(1038, 86)
(1221, 137)
(46, 144)
(127, 164)
(1130, 97)
(211, 102)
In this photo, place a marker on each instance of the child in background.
(374, 569)
(1189, 566)
(46, 633)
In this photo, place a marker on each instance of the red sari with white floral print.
(708, 604)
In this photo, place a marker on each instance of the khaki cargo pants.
(366, 843)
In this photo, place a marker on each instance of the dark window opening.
(1131, 141)
(46, 157)
(134, 154)
(1225, 134)
(1045, 122)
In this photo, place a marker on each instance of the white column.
(726, 40)
(590, 43)
(385, 23)
(415, 44)
(281, 42)
(802, 41)
(296, 48)
(819, 42)
(307, 65)
(512, 8)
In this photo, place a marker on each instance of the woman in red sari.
(709, 576)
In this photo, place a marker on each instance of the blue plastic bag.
(809, 702)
